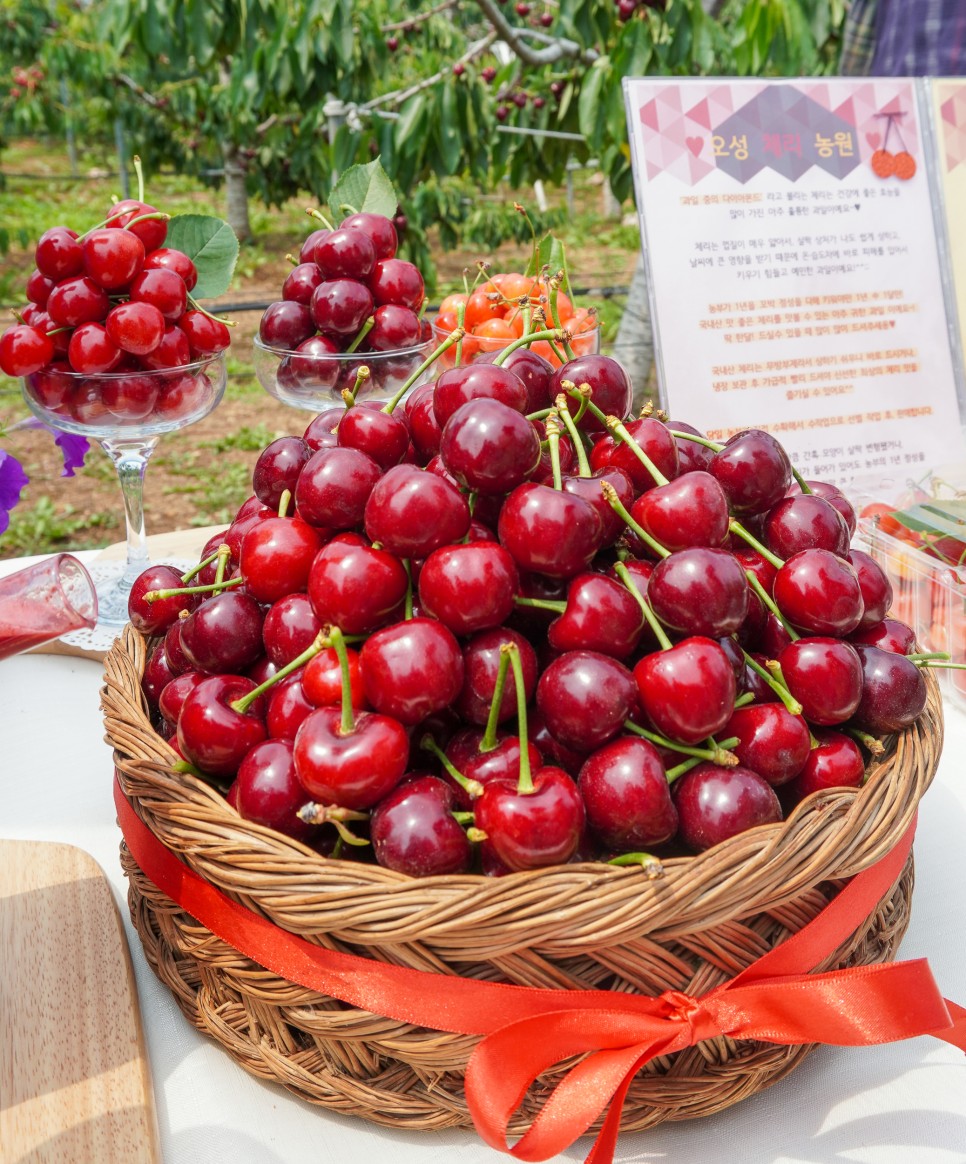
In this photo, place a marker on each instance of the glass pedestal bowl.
(126, 413)
(314, 383)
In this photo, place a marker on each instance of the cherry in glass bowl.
(315, 380)
(126, 413)
(485, 346)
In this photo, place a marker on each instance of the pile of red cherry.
(347, 293)
(112, 301)
(498, 627)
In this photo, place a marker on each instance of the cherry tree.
(279, 97)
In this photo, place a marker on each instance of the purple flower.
(12, 481)
(74, 449)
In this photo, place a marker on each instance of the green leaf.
(589, 102)
(551, 254)
(365, 188)
(943, 517)
(212, 246)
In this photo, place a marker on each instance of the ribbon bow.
(525, 1030)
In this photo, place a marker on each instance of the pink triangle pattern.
(952, 127)
(677, 141)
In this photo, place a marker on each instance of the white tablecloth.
(899, 1104)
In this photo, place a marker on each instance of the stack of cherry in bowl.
(504, 626)
(111, 336)
(348, 303)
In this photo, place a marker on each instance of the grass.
(43, 528)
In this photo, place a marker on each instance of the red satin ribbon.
(527, 1030)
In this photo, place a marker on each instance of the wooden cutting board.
(74, 1083)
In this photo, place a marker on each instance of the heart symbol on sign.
(694, 144)
(873, 139)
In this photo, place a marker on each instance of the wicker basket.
(575, 926)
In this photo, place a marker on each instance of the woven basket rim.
(830, 835)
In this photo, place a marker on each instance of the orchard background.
(250, 108)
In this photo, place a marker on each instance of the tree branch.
(400, 95)
(558, 49)
(412, 22)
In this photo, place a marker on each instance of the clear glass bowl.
(119, 405)
(314, 383)
(484, 347)
(126, 413)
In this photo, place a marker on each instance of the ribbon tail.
(507, 1062)
(956, 1034)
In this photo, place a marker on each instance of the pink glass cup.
(44, 601)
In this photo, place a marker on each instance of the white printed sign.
(794, 268)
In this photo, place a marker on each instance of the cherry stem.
(472, 788)
(549, 333)
(201, 565)
(315, 213)
(408, 602)
(320, 641)
(553, 289)
(348, 397)
(489, 741)
(136, 162)
(563, 411)
(460, 326)
(770, 604)
(802, 483)
(337, 641)
(212, 588)
(284, 502)
(556, 604)
(336, 816)
(362, 375)
(719, 754)
(714, 446)
(679, 770)
(735, 527)
(362, 333)
(582, 395)
(772, 676)
(224, 552)
(155, 214)
(660, 633)
(610, 494)
(553, 441)
(525, 783)
(189, 769)
(924, 658)
(454, 337)
(463, 818)
(475, 836)
(618, 430)
(196, 306)
(875, 746)
(744, 699)
(650, 865)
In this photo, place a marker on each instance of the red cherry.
(412, 669)
(24, 350)
(688, 690)
(354, 769)
(529, 830)
(112, 258)
(715, 803)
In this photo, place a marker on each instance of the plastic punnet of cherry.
(114, 344)
(507, 624)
